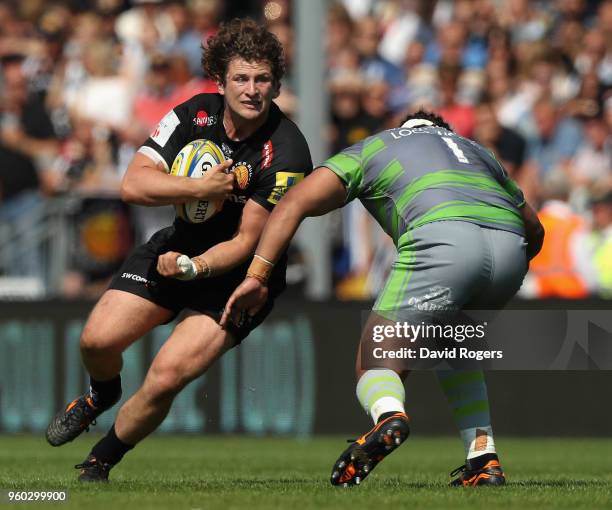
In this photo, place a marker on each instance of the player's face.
(249, 88)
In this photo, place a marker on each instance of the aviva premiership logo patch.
(284, 180)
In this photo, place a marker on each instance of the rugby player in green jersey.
(464, 236)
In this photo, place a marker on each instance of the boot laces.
(459, 470)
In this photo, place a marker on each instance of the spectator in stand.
(455, 45)
(556, 141)
(513, 96)
(156, 99)
(359, 109)
(27, 146)
(404, 23)
(508, 145)
(186, 84)
(415, 55)
(18, 175)
(595, 56)
(187, 41)
(604, 18)
(419, 81)
(588, 102)
(448, 48)
(147, 20)
(375, 101)
(524, 20)
(206, 15)
(570, 9)
(607, 112)
(27, 138)
(287, 101)
(339, 33)
(105, 96)
(350, 123)
(374, 67)
(567, 41)
(459, 116)
(602, 240)
(591, 167)
(480, 18)
(564, 267)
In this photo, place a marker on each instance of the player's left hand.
(167, 266)
(249, 296)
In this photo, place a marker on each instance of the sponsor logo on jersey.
(243, 172)
(237, 199)
(203, 119)
(398, 133)
(267, 154)
(165, 128)
(226, 149)
(284, 180)
(435, 298)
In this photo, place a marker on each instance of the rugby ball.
(193, 161)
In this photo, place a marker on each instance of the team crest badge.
(243, 172)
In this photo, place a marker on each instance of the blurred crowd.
(83, 83)
(531, 80)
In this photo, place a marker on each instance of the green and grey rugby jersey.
(407, 177)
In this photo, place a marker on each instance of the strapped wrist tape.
(260, 269)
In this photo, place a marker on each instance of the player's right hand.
(167, 265)
(216, 184)
(250, 297)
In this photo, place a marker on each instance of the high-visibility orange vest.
(554, 268)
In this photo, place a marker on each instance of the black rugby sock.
(110, 449)
(105, 393)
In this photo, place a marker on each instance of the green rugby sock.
(380, 391)
(466, 392)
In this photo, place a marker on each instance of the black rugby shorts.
(138, 275)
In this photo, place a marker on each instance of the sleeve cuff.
(154, 155)
(342, 176)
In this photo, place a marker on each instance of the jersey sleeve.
(170, 136)
(511, 187)
(348, 166)
(290, 163)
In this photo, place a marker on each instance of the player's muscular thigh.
(195, 344)
(119, 319)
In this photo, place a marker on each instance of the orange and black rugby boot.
(362, 456)
(93, 470)
(482, 470)
(72, 421)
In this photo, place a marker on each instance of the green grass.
(250, 473)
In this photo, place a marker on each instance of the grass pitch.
(264, 473)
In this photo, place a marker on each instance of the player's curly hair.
(246, 39)
(430, 116)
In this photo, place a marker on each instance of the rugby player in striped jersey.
(464, 236)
